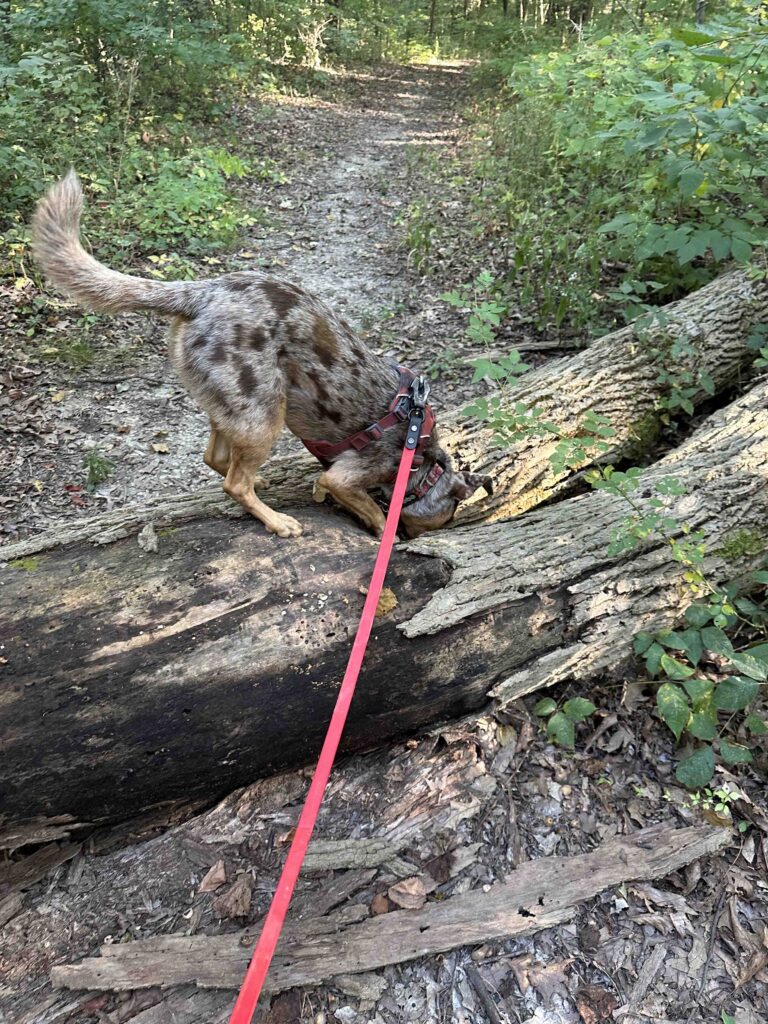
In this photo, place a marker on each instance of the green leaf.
(653, 657)
(578, 708)
(741, 249)
(703, 725)
(698, 615)
(698, 689)
(642, 641)
(735, 753)
(756, 725)
(687, 640)
(715, 640)
(690, 180)
(750, 666)
(561, 730)
(545, 707)
(673, 707)
(691, 37)
(696, 771)
(735, 693)
(761, 576)
(675, 669)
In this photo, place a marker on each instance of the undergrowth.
(623, 169)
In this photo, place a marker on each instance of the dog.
(257, 353)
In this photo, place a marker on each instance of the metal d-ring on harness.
(417, 414)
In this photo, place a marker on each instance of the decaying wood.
(591, 601)
(538, 895)
(616, 376)
(22, 874)
(138, 676)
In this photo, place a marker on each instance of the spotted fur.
(255, 352)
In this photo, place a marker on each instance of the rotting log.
(616, 376)
(133, 677)
(539, 894)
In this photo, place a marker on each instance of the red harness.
(399, 411)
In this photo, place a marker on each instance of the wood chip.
(22, 874)
(539, 894)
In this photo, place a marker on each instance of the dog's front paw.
(319, 493)
(284, 526)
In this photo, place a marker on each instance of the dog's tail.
(56, 247)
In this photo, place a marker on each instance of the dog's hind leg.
(218, 452)
(246, 455)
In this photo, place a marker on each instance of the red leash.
(273, 924)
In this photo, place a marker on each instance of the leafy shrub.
(629, 167)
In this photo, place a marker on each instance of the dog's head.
(439, 504)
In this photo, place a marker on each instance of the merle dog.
(257, 353)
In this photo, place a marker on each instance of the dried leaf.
(380, 904)
(236, 901)
(595, 1004)
(387, 601)
(411, 893)
(215, 878)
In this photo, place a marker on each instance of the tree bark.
(134, 676)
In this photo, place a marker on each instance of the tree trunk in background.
(132, 676)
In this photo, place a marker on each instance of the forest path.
(334, 226)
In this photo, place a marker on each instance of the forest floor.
(466, 804)
(74, 384)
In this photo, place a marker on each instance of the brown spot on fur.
(334, 415)
(325, 341)
(239, 335)
(239, 284)
(247, 379)
(199, 341)
(293, 370)
(258, 338)
(358, 353)
(219, 353)
(320, 388)
(282, 297)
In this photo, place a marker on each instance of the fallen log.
(617, 376)
(135, 676)
(539, 894)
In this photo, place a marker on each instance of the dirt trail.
(333, 227)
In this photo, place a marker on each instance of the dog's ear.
(465, 484)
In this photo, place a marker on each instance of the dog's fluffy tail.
(56, 246)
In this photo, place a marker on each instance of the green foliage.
(97, 467)
(561, 723)
(698, 696)
(628, 166)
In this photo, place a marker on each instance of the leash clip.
(419, 392)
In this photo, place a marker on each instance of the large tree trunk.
(136, 676)
(616, 376)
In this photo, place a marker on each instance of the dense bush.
(629, 166)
